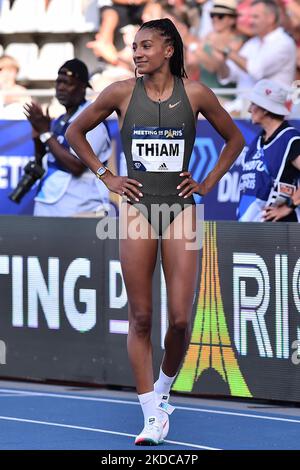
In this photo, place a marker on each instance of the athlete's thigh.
(137, 255)
(180, 259)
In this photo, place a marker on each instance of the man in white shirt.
(270, 53)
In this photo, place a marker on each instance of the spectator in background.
(205, 23)
(112, 18)
(68, 188)
(194, 14)
(205, 53)
(244, 18)
(12, 95)
(124, 69)
(292, 9)
(291, 18)
(187, 12)
(271, 166)
(271, 53)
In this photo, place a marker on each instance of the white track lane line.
(183, 408)
(103, 431)
(10, 395)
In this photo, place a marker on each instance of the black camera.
(32, 172)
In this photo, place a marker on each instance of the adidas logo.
(151, 420)
(163, 166)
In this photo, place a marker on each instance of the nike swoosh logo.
(175, 104)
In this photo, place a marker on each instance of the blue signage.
(16, 149)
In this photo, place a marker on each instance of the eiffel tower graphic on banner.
(210, 364)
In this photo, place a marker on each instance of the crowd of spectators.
(229, 44)
(11, 103)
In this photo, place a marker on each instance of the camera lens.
(33, 172)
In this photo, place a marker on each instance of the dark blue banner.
(16, 148)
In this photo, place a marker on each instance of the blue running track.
(41, 417)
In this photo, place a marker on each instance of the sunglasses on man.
(220, 16)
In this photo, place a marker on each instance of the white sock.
(164, 383)
(148, 404)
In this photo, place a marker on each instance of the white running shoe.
(165, 409)
(151, 435)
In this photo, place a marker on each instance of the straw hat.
(224, 7)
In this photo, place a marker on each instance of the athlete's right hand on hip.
(123, 186)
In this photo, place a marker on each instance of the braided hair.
(168, 31)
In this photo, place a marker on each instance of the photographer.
(68, 187)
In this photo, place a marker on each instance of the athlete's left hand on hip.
(189, 185)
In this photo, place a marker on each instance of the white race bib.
(157, 149)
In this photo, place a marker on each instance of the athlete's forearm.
(82, 148)
(89, 119)
(210, 107)
(227, 157)
(64, 157)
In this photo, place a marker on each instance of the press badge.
(157, 149)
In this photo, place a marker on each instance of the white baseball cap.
(271, 96)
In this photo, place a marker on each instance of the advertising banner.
(246, 323)
(63, 308)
